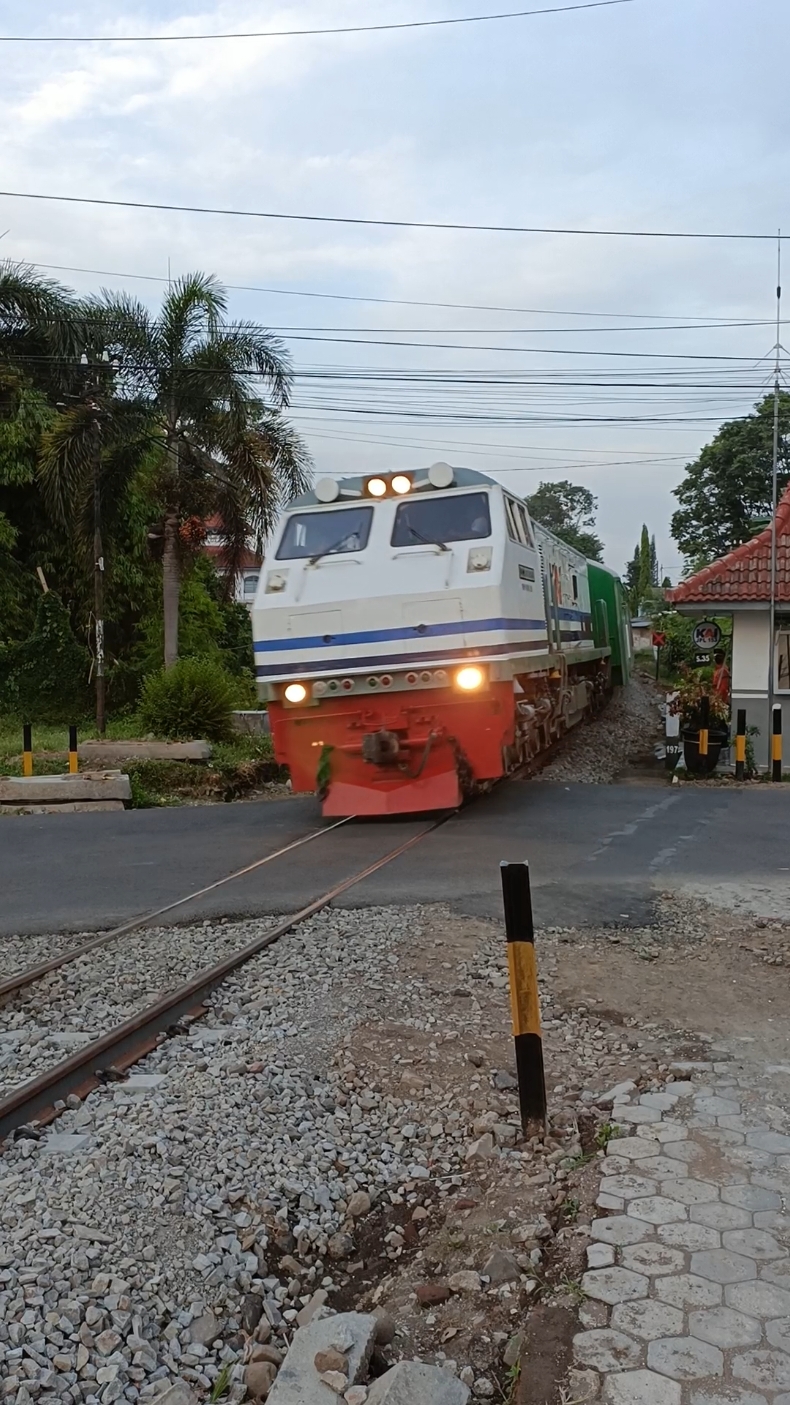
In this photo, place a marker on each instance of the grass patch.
(236, 767)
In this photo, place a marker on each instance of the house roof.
(744, 575)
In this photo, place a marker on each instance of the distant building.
(248, 575)
(642, 633)
(740, 585)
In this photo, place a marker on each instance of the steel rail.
(31, 974)
(137, 1036)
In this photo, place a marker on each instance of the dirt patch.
(547, 1354)
(729, 982)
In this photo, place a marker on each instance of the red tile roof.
(745, 573)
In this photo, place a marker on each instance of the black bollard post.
(74, 764)
(524, 1003)
(776, 742)
(740, 745)
(27, 750)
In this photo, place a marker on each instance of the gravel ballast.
(177, 1223)
(599, 752)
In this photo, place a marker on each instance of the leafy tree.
(653, 562)
(223, 450)
(45, 678)
(569, 511)
(726, 493)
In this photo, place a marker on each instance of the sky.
(664, 115)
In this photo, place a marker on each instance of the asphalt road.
(598, 854)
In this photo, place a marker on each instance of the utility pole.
(775, 476)
(98, 368)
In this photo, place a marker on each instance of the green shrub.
(45, 678)
(193, 699)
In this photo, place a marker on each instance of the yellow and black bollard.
(704, 725)
(524, 1003)
(27, 750)
(776, 742)
(74, 763)
(740, 745)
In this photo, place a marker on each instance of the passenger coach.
(417, 636)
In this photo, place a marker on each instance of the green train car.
(611, 619)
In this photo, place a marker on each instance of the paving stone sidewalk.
(688, 1284)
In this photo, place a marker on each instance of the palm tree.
(185, 396)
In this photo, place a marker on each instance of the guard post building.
(740, 585)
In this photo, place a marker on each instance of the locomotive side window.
(512, 521)
(325, 533)
(524, 521)
(438, 520)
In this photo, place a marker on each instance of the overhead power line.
(398, 302)
(388, 224)
(302, 33)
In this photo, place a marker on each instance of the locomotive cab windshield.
(326, 533)
(436, 521)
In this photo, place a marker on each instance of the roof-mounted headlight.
(327, 490)
(441, 475)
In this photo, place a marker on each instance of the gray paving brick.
(688, 1291)
(681, 1088)
(757, 1243)
(637, 1116)
(724, 1327)
(689, 1191)
(628, 1186)
(664, 1101)
(778, 1333)
(685, 1358)
(640, 1388)
(661, 1165)
(751, 1197)
(632, 1148)
(751, 1158)
(774, 1220)
(666, 1131)
(593, 1314)
(717, 1107)
(689, 1236)
(648, 1319)
(720, 1216)
(766, 1368)
(605, 1201)
(607, 1350)
(777, 1272)
(620, 1229)
(653, 1259)
(729, 1395)
(723, 1266)
(657, 1209)
(758, 1299)
(614, 1285)
(600, 1255)
(682, 1151)
(775, 1142)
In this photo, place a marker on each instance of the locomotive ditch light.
(377, 487)
(469, 678)
(479, 559)
(295, 693)
(401, 484)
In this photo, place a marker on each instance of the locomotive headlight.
(401, 484)
(376, 487)
(295, 693)
(469, 678)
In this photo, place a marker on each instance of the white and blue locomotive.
(417, 635)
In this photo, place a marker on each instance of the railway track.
(108, 1056)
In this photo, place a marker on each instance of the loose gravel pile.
(598, 752)
(182, 1222)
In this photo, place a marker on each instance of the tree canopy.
(569, 511)
(725, 495)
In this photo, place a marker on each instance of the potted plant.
(688, 702)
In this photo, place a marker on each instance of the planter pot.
(703, 765)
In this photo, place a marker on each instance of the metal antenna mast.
(775, 478)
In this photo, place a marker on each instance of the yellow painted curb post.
(776, 742)
(740, 745)
(74, 764)
(524, 1003)
(27, 750)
